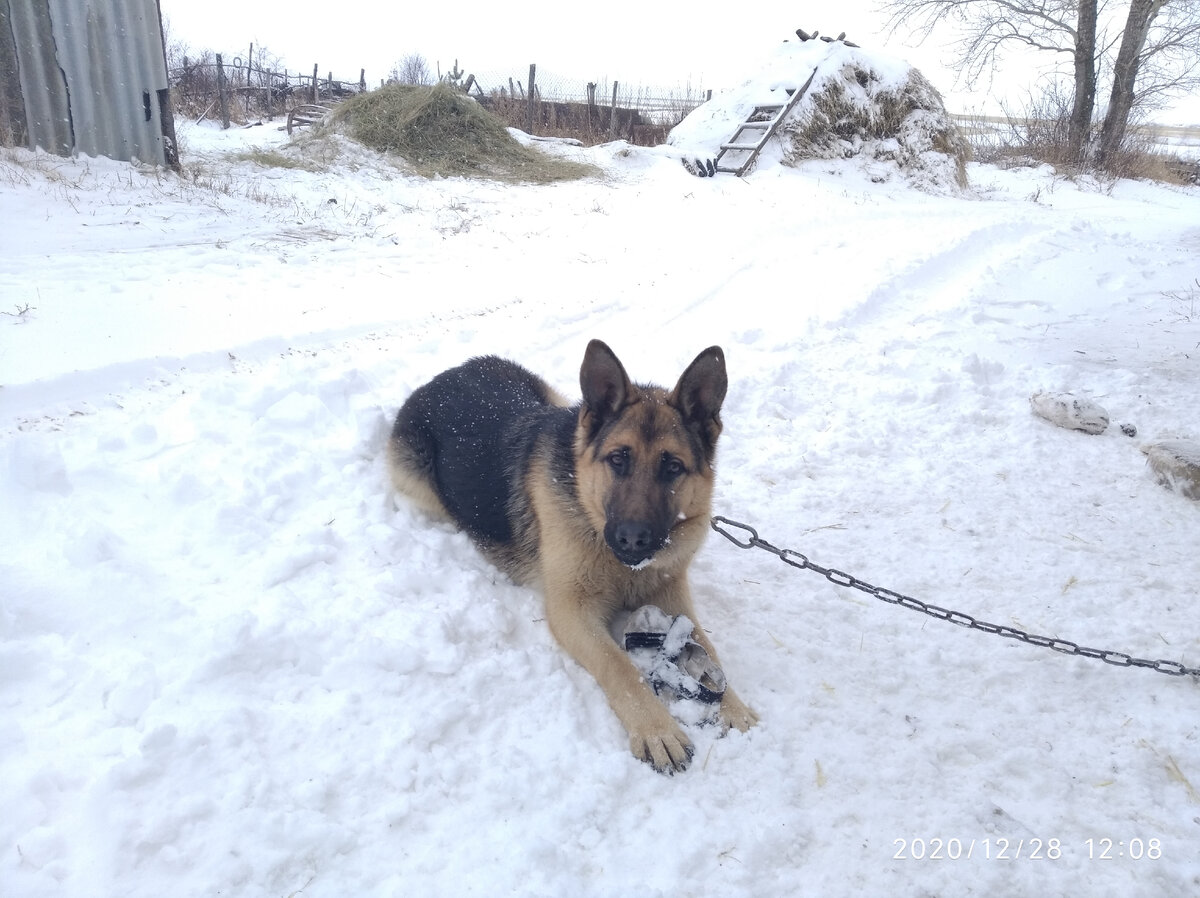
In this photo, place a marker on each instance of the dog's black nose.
(633, 536)
(632, 541)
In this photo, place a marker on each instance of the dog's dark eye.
(671, 467)
(618, 460)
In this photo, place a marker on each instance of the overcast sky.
(668, 46)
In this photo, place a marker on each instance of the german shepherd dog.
(601, 504)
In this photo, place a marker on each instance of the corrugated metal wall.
(12, 107)
(92, 77)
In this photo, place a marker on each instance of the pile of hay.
(859, 105)
(440, 131)
(858, 112)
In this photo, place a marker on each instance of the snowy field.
(232, 664)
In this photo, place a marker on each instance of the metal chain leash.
(749, 539)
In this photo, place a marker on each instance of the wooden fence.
(600, 115)
(588, 111)
(210, 87)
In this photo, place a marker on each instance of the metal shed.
(86, 76)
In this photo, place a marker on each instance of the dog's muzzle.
(633, 542)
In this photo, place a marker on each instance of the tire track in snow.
(931, 287)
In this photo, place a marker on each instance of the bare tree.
(988, 26)
(412, 69)
(1170, 63)
(1158, 54)
(1125, 72)
(1065, 27)
(1085, 80)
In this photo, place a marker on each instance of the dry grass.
(440, 131)
(1040, 134)
(1140, 159)
(264, 158)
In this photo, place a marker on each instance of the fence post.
(612, 115)
(531, 100)
(249, 64)
(362, 81)
(222, 93)
(312, 93)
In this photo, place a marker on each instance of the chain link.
(750, 540)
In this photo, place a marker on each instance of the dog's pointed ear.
(605, 385)
(700, 392)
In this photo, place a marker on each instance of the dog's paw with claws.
(736, 713)
(667, 752)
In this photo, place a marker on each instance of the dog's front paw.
(666, 749)
(736, 713)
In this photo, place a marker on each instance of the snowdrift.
(863, 105)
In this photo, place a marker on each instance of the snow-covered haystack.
(860, 104)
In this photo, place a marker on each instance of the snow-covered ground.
(231, 664)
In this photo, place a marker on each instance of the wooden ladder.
(742, 149)
(305, 115)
